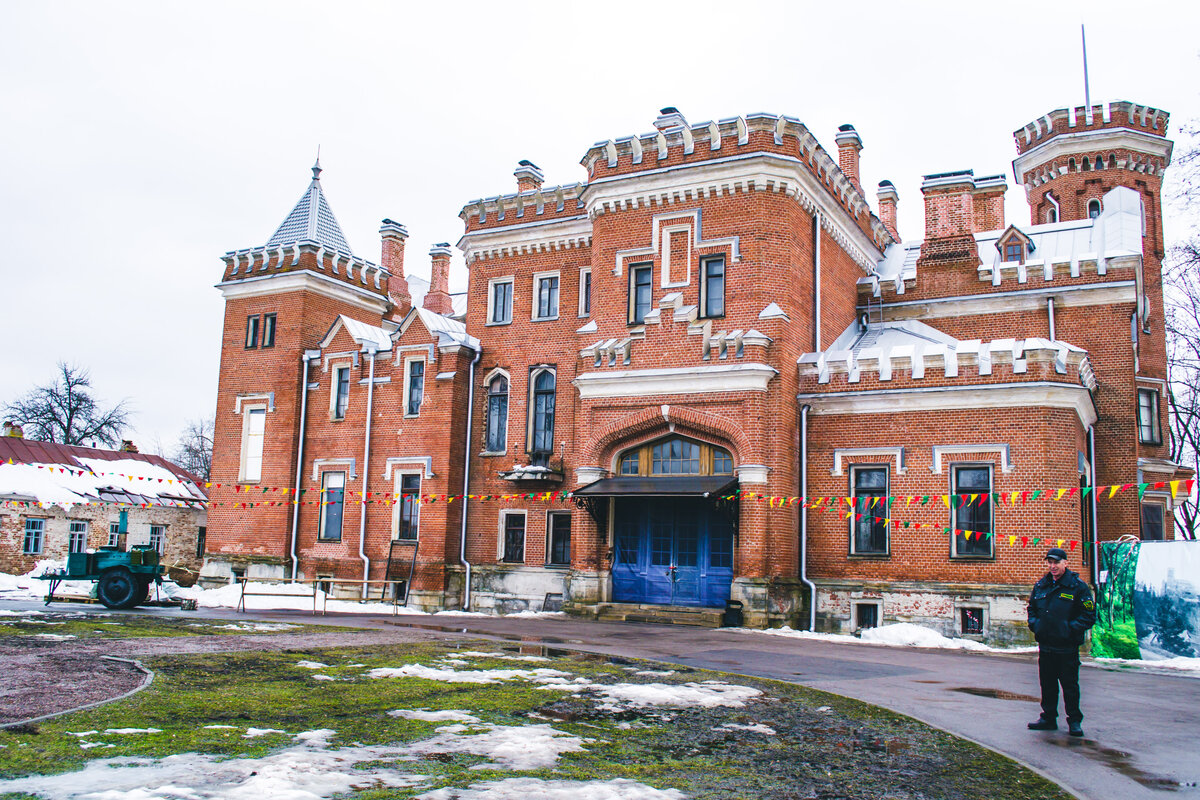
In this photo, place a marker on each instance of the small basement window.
(866, 615)
(970, 620)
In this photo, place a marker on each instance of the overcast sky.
(141, 141)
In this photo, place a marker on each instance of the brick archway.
(657, 420)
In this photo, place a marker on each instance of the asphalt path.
(1142, 725)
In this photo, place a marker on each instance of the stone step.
(663, 615)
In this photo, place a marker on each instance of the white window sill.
(490, 453)
(543, 319)
(491, 324)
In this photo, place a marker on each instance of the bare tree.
(194, 449)
(65, 411)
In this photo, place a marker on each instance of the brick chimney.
(888, 200)
(529, 176)
(949, 218)
(848, 144)
(393, 235)
(437, 299)
(127, 446)
(12, 430)
(989, 203)
(669, 118)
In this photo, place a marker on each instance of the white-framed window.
(712, 286)
(339, 391)
(35, 530)
(541, 414)
(252, 323)
(641, 292)
(333, 502)
(414, 385)
(545, 295)
(77, 536)
(558, 538)
(1154, 520)
(972, 620)
(1149, 420)
(495, 423)
(867, 614)
(512, 536)
(254, 434)
(500, 300)
(585, 292)
(406, 514)
(869, 491)
(114, 534)
(268, 330)
(974, 515)
(158, 537)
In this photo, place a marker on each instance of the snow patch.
(252, 733)
(132, 730)
(464, 676)
(1179, 663)
(901, 634)
(433, 716)
(757, 727)
(311, 664)
(502, 656)
(510, 747)
(708, 694)
(525, 788)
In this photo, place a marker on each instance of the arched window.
(1093, 208)
(1112, 161)
(1087, 164)
(1100, 162)
(496, 423)
(541, 426)
(1051, 214)
(1070, 165)
(676, 455)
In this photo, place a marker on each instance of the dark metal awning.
(676, 486)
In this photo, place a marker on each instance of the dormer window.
(1014, 246)
(1014, 251)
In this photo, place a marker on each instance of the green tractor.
(122, 577)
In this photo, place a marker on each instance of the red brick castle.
(712, 372)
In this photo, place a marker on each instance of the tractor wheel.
(143, 591)
(118, 589)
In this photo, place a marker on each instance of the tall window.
(545, 297)
(341, 392)
(513, 530)
(408, 509)
(1149, 425)
(268, 330)
(254, 429)
(77, 530)
(1154, 524)
(114, 533)
(500, 302)
(968, 515)
(497, 415)
(869, 532)
(558, 551)
(333, 491)
(543, 413)
(201, 540)
(585, 292)
(712, 287)
(35, 527)
(415, 388)
(640, 291)
(158, 537)
(252, 332)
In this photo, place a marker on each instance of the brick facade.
(673, 295)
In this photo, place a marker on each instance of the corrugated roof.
(365, 334)
(447, 329)
(312, 220)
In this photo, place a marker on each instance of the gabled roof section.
(447, 330)
(368, 337)
(312, 220)
(1013, 232)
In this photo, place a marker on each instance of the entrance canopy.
(674, 486)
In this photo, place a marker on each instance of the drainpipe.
(362, 519)
(812, 587)
(1050, 316)
(1092, 494)
(462, 551)
(817, 282)
(308, 356)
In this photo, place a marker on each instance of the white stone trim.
(551, 235)
(687, 380)
(579, 312)
(304, 280)
(1066, 145)
(588, 475)
(491, 297)
(396, 464)
(896, 453)
(1112, 293)
(408, 361)
(533, 306)
(254, 399)
(321, 464)
(752, 474)
(666, 273)
(1002, 450)
(659, 242)
(945, 398)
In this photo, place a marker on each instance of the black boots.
(1074, 728)
(1043, 724)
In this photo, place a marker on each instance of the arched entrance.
(673, 533)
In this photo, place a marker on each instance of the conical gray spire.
(312, 220)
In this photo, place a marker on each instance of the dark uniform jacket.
(1060, 612)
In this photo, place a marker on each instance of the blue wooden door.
(671, 551)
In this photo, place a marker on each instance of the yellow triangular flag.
(1113, 489)
(1012, 540)
(1174, 485)
(1061, 492)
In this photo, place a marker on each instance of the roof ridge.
(312, 219)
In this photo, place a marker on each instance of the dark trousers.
(1053, 669)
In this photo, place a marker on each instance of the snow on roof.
(448, 330)
(65, 475)
(418, 287)
(365, 334)
(888, 335)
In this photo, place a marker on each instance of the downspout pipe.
(1050, 316)
(1095, 521)
(812, 587)
(817, 282)
(307, 357)
(462, 547)
(366, 471)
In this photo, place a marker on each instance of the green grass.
(1120, 641)
(100, 625)
(824, 743)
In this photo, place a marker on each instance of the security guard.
(1060, 611)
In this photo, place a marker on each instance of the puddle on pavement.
(1122, 762)
(998, 694)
